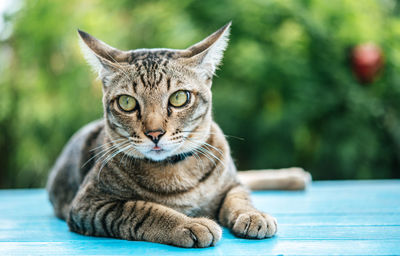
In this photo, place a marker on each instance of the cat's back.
(72, 165)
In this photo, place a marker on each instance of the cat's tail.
(279, 179)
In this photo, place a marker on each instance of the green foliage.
(286, 85)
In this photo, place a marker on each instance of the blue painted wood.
(331, 217)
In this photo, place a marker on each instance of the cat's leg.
(238, 214)
(140, 220)
(279, 179)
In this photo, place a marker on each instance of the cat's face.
(157, 102)
(162, 106)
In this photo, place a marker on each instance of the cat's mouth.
(157, 155)
(157, 148)
(159, 151)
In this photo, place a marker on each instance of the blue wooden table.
(335, 217)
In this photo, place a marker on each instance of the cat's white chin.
(158, 155)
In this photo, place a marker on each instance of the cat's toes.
(256, 225)
(198, 232)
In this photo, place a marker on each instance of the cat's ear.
(207, 54)
(103, 58)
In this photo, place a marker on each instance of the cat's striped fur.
(110, 181)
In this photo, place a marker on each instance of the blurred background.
(309, 83)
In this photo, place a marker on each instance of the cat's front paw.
(197, 232)
(255, 225)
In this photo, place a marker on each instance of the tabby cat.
(157, 167)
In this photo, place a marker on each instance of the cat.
(157, 167)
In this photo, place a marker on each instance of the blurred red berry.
(367, 61)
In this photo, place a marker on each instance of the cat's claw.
(197, 232)
(254, 225)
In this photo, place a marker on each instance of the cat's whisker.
(207, 151)
(197, 151)
(109, 152)
(194, 148)
(116, 143)
(218, 170)
(123, 157)
(226, 135)
(206, 146)
(132, 159)
(210, 153)
(209, 145)
(128, 153)
(197, 157)
(112, 147)
(133, 150)
(203, 151)
(107, 143)
(109, 158)
(106, 159)
(105, 151)
(187, 149)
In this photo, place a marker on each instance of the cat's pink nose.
(155, 135)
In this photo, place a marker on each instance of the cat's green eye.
(179, 98)
(126, 103)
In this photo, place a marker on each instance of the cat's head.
(157, 102)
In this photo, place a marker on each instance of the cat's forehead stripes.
(151, 67)
(147, 59)
(152, 54)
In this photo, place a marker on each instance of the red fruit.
(367, 61)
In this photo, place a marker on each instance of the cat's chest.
(192, 189)
(194, 194)
(201, 200)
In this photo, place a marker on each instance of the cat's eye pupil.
(126, 103)
(179, 98)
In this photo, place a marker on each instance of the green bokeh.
(286, 85)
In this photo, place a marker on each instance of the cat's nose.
(155, 135)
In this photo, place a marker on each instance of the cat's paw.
(255, 225)
(197, 232)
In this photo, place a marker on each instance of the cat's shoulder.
(87, 134)
(93, 127)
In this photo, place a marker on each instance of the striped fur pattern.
(110, 181)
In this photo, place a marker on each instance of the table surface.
(331, 217)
